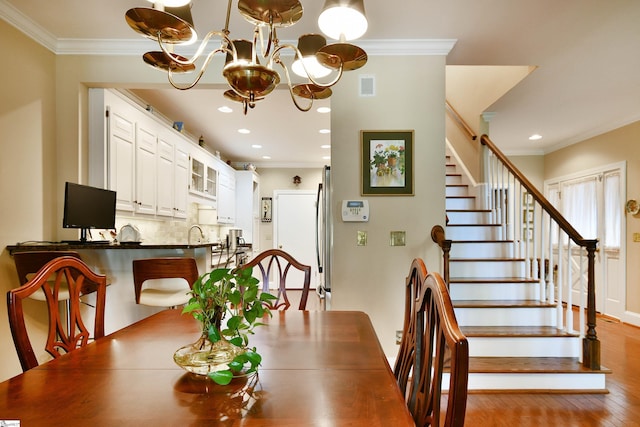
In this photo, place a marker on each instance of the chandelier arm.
(204, 67)
(293, 98)
(309, 76)
(200, 49)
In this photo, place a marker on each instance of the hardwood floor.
(620, 345)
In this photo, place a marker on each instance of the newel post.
(590, 343)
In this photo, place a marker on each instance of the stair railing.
(552, 248)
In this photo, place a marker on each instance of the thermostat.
(355, 210)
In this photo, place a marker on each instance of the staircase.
(514, 343)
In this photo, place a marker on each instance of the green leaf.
(236, 366)
(221, 377)
(250, 315)
(254, 358)
(250, 294)
(235, 297)
(237, 341)
(234, 322)
(266, 296)
(213, 334)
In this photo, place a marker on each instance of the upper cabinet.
(226, 194)
(143, 159)
(204, 176)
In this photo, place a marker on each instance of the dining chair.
(440, 347)
(30, 262)
(275, 267)
(50, 279)
(406, 352)
(166, 293)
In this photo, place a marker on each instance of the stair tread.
(547, 365)
(500, 303)
(492, 280)
(516, 331)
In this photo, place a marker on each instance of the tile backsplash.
(169, 231)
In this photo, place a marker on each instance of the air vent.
(367, 85)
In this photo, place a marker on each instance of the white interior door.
(294, 226)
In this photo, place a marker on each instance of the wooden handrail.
(458, 118)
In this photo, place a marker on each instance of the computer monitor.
(88, 207)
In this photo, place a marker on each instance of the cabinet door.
(146, 171)
(181, 181)
(226, 197)
(165, 194)
(121, 159)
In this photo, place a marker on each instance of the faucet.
(191, 229)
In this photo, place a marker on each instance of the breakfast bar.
(114, 261)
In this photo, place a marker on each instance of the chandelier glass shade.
(249, 64)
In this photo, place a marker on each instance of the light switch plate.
(362, 238)
(397, 238)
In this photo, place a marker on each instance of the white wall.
(410, 95)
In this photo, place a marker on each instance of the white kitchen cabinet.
(146, 167)
(112, 145)
(248, 206)
(204, 176)
(226, 194)
(181, 180)
(142, 158)
(166, 167)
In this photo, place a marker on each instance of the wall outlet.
(636, 237)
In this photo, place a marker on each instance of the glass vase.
(204, 356)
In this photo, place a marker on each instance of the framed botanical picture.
(387, 162)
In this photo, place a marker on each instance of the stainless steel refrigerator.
(324, 235)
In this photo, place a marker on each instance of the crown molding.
(138, 46)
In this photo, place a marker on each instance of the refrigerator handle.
(318, 226)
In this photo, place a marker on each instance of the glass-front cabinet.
(204, 177)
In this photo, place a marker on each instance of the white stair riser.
(489, 232)
(453, 179)
(493, 291)
(483, 269)
(483, 250)
(451, 191)
(503, 316)
(535, 381)
(524, 346)
(469, 217)
(460, 204)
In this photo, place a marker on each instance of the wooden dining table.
(323, 368)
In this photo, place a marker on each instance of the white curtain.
(580, 206)
(612, 211)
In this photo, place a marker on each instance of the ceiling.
(580, 59)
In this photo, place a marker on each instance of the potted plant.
(229, 305)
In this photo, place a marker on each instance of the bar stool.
(164, 293)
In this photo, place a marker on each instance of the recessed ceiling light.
(256, 146)
(535, 137)
(323, 110)
(266, 157)
(324, 131)
(225, 109)
(244, 131)
(325, 146)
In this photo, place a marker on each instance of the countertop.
(59, 246)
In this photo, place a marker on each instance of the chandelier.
(249, 64)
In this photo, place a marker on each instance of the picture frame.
(386, 164)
